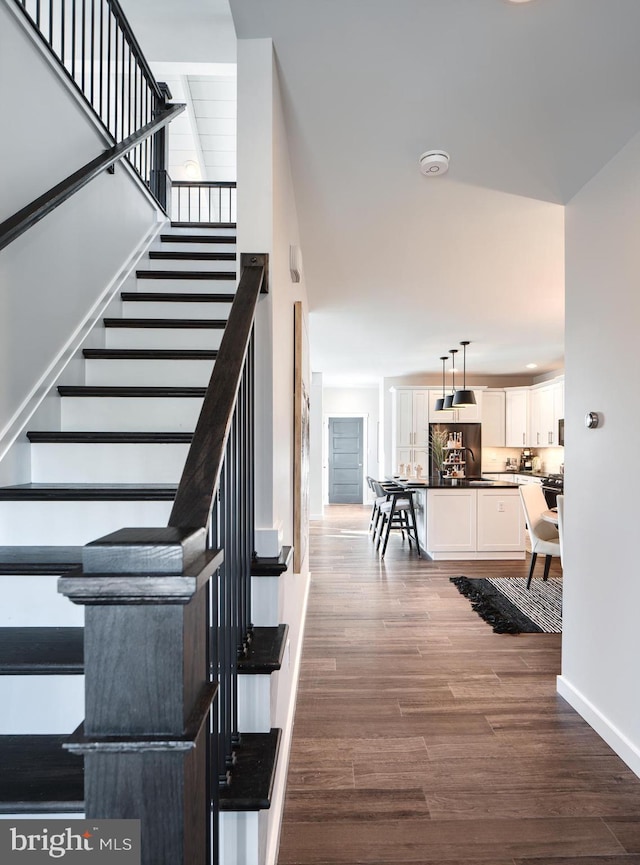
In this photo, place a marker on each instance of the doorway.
(346, 448)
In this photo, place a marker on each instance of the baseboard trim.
(615, 738)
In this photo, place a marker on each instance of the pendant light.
(448, 400)
(464, 397)
(440, 401)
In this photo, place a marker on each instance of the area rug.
(510, 608)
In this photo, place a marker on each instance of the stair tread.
(107, 437)
(84, 390)
(186, 274)
(196, 238)
(38, 775)
(272, 566)
(174, 297)
(31, 560)
(88, 492)
(174, 255)
(205, 323)
(266, 650)
(253, 774)
(38, 651)
(150, 354)
(211, 225)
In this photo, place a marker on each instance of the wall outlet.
(500, 507)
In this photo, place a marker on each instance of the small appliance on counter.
(511, 465)
(526, 460)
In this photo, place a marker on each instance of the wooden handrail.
(201, 475)
(24, 219)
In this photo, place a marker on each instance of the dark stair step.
(212, 225)
(169, 323)
(39, 560)
(186, 274)
(272, 566)
(172, 255)
(41, 651)
(174, 297)
(91, 437)
(196, 238)
(132, 391)
(38, 775)
(266, 650)
(150, 354)
(253, 774)
(88, 492)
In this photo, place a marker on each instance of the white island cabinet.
(467, 522)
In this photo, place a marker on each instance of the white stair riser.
(151, 309)
(177, 246)
(191, 286)
(74, 523)
(242, 835)
(182, 264)
(124, 414)
(165, 337)
(176, 231)
(150, 373)
(33, 601)
(102, 463)
(33, 705)
(254, 703)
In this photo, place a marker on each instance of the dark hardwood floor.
(421, 736)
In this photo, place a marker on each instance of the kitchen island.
(468, 519)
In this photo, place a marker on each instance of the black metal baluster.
(62, 29)
(108, 124)
(250, 465)
(84, 45)
(116, 37)
(51, 23)
(130, 126)
(38, 14)
(73, 38)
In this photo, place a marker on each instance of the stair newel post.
(148, 693)
(160, 181)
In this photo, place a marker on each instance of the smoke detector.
(434, 162)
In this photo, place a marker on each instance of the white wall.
(53, 278)
(355, 401)
(602, 590)
(316, 498)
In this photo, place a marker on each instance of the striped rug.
(510, 608)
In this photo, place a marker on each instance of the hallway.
(421, 736)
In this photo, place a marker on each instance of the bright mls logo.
(107, 842)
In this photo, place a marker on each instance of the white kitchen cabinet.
(412, 457)
(410, 418)
(493, 418)
(451, 520)
(547, 407)
(516, 417)
(500, 526)
(469, 414)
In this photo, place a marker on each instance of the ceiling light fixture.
(448, 400)
(464, 397)
(532, 366)
(440, 401)
(192, 170)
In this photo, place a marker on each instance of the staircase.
(115, 461)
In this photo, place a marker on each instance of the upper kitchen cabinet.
(469, 414)
(410, 426)
(493, 418)
(547, 408)
(516, 417)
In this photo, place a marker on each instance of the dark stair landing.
(196, 238)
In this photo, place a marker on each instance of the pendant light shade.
(440, 400)
(448, 400)
(463, 397)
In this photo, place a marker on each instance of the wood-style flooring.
(422, 737)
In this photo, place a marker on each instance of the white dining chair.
(560, 506)
(544, 535)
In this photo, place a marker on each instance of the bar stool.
(396, 511)
(381, 492)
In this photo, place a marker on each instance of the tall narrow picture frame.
(301, 439)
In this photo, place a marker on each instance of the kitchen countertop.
(453, 483)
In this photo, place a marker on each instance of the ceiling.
(529, 99)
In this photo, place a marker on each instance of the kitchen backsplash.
(495, 459)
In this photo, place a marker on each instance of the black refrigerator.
(469, 458)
